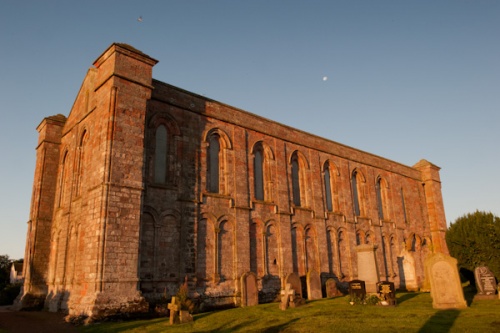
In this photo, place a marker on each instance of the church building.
(145, 184)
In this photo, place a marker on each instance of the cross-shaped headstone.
(174, 310)
(287, 296)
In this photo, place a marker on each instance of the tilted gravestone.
(331, 288)
(313, 285)
(387, 292)
(294, 280)
(357, 290)
(249, 290)
(446, 289)
(287, 297)
(485, 283)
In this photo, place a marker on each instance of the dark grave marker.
(485, 282)
(387, 293)
(357, 290)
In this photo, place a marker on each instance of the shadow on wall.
(442, 321)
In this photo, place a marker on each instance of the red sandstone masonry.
(118, 238)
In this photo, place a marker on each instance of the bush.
(9, 293)
(474, 239)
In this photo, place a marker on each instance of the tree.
(474, 239)
(5, 263)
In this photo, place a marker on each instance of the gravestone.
(294, 280)
(485, 283)
(287, 297)
(446, 289)
(313, 285)
(387, 293)
(249, 290)
(185, 316)
(174, 308)
(357, 289)
(367, 266)
(331, 288)
(408, 277)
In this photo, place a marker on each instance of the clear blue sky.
(406, 79)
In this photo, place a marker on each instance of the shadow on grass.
(469, 294)
(441, 321)
(405, 297)
(278, 328)
(228, 328)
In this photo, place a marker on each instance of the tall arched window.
(380, 204)
(80, 163)
(404, 206)
(295, 181)
(258, 167)
(328, 187)
(355, 193)
(213, 163)
(161, 155)
(62, 179)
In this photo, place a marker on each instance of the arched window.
(161, 155)
(62, 179)
(81, 163)
(404, 206)
(295, 181)
(328, 187)
(213, 163)
(380, 204)
(355, 193)
(258, 165)
(299, 167)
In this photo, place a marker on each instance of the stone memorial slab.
(174, 308)
(387, 293)
(485, 283)
(357, 289)
(408, 274)
(331, 288)
(249, 290)
(313, 285)
(185, 316)
(367, 266)
(287, 297)
(294, 281)
(296, 285)
(446, 289)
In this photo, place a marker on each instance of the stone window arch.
(299, 167)
(344, 255)
(358, 193)
(80, 164)
(331, 240)
(216, 163)
(272, 261)
(311, 255)
(225, 248)
(263, 184)
(63, 170)
(164, 150)
(330, 175)
(403, 204)
(382, 189)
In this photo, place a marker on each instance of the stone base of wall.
(29, 302)
(105, 305)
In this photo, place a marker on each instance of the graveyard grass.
(414, 313)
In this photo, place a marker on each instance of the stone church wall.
(144, 184)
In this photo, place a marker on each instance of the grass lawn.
(414, 313)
